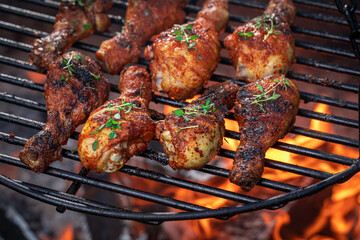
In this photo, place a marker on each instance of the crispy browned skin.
(72, 91)
(143, 20)
(135, 127)
(73, 22)
(261, 123)
(257, 51)
(192, 139)
(216, 12)
(180, 67)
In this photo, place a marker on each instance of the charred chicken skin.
(183, 58)
(120, 128)
(74, 87)
(192, 135)
(143, 20)
(264, 110)
(265, 45)
(75, 20)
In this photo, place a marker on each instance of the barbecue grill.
(337, 60)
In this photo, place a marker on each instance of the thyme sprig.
(183, 33)
(245, 34)
(113, 122)
(81, 2)
(186, 113)
(187, 127)
(69, 63)
(267, 23)
(263, 97)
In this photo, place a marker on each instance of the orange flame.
(334, 211)
(36, 77)
(337, 210)
(67, 233)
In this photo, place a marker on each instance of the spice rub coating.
(143, 20)
(120, 128)
(183, 58)
(265, 45)
(74, 87)
(192, 136)
(75, 20)
(264, 110)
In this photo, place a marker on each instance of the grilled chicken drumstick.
(74, 87)
(265, 45)
(75, 20)
(120, 128)
(143, 20)
(264, 110)
(183, 58)
(192, 135)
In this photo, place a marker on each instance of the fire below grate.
(314, 62)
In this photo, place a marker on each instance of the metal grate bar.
(159, 157)
(44, 17)
(322, 48)
(76, 200)
(306, 96)
(306, 132)
(328, 118)
(323, 82)
(144, 174)
(73, 202)
(51, 19)
(308, 62)
(314, 153)
(297, 169)
(326, 136)
(74, 187)
(325, 117)
(226, 61)
(327, 66)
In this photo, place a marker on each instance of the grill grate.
(282, 192)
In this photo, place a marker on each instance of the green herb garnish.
(266, 22)
(113, 122)
(86, 26)
(81, 2)
(188, 127)
(263, 97)
(245, 34)
(95, 145)
(66, 79)
(95, 76)
(186, 113)
(69, 66)
(184, 34)
(147, 13)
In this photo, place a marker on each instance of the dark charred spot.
(123, 43)
(82, 97)
(67, 111)
(58, 84)
(84, 75)
(247, 154)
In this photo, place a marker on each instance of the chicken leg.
(75, 20)
(265, 45)
(192, 136)
(74, 87)
(143, 20)
(183, 58)
(264, 110)
(120, 128)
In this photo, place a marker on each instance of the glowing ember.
(339, 211)
(36, 77)
(67, 234)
